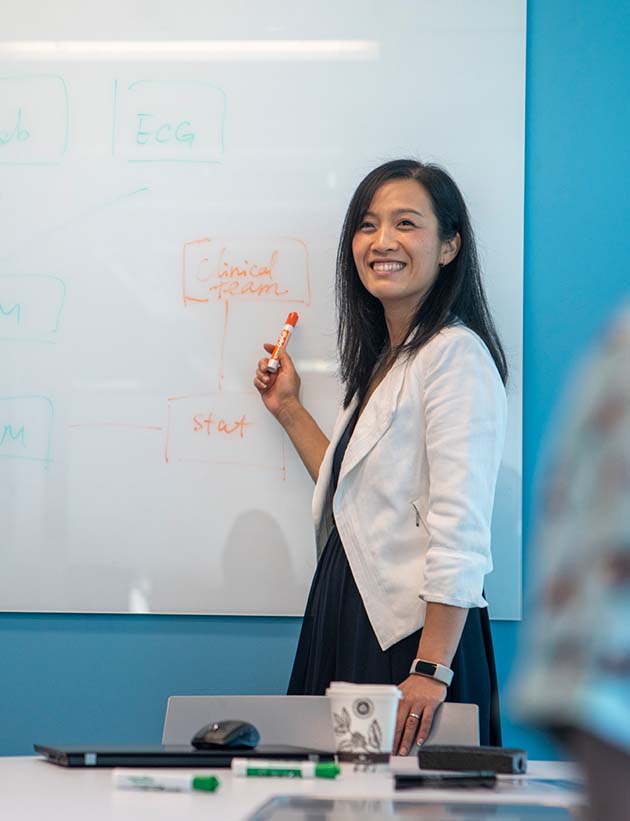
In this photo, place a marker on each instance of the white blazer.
(414, 500)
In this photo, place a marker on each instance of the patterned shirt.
(575, 662)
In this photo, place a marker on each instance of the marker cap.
(205, 782)
(327, 769)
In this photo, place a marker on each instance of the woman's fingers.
(283, 358)
(276, 387)
(400, 726)
(262, 379)
(263, 382)
(425, 724)
(416, 727)
(409, 730)
(416, 710)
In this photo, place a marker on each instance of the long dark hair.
(456, 295)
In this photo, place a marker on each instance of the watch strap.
(431, 669)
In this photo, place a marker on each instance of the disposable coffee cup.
(363, 722)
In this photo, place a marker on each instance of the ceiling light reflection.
(193, 50)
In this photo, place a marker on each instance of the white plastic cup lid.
(344, 688)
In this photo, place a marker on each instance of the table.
(32, 789)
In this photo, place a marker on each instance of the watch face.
(426, 668)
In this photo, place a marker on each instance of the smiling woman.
(405, 488)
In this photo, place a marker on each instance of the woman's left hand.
(421, 697)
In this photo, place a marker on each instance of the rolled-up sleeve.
(465, 419)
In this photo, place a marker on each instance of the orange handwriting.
(243, 288)
(242, 280)
(209, 423)
(229, 272)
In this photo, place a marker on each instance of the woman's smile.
(385, 267)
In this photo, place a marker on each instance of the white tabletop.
(31, 788)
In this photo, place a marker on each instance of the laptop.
(298, 720)
(296, 727)
(167, 755)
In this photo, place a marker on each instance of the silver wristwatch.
(430, 669)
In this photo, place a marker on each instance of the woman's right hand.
(281, 389)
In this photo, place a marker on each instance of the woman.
(405, 488)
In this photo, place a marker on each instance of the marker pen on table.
(163, 782)
(285, 333)
(284, 769)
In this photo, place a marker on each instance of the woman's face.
(396, 248)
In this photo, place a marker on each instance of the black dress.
(337, 642)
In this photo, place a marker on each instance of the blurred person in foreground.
(573, 676)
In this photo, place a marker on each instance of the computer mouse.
(231, 733)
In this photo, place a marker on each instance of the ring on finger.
(415, 715)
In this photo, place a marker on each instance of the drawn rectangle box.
(31, 306)
(168, 121)
(34, 119)
(274, 269)
(223, 428)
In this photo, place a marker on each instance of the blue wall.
(103, 678)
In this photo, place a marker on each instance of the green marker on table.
(163, 782)
(284, 769)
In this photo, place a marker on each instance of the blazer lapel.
(322, 485)
(376, 417)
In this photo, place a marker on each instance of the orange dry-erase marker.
(285, 333)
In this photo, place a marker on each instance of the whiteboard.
(173, 178)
